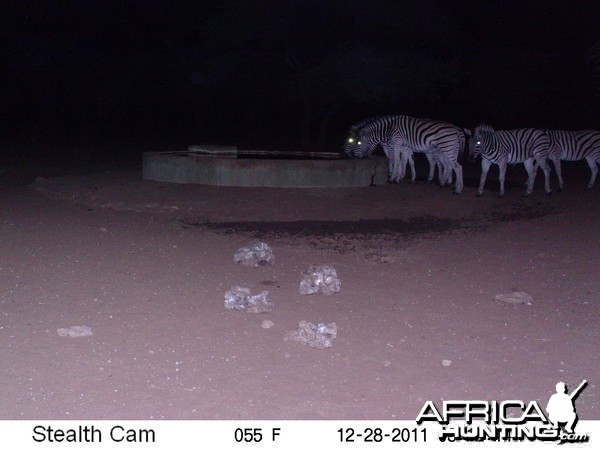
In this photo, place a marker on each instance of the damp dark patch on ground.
(319, 228)
(348, 236)
(403, 228)
(375, 235)
(516, 211)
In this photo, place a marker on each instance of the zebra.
(399, 155)
(574, 146)
(401, 135)
(392, 148)
(386, 145)
(510, 147)
(444, 169)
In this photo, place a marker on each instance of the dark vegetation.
(91, 81)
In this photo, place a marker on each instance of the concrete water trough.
(228, 166)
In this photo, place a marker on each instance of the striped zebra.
(400, 155)
(444, 170)
(393, 150)
(574, 146)
(401, 135)
(386, 144)
(504, 147)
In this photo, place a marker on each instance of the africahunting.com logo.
(510, 420)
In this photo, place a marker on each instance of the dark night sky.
(293, 73)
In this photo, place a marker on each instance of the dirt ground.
(146, 266)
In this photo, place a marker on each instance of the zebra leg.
(432, 163)
(546, 169)
(400, 170)
(387, 150)
(392, 163)
(485, 167)
(390, 152)
(594, 168)
(444, 171)
(402, 164)
(502, 177)
(458, 184)
(535, 168)
(557, 168)
(528, 163)
(444, 174)
(399, 166)
(449, 170)
(411, 162)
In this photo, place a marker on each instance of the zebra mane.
(483, 128)
(371, 120)
(357, 126)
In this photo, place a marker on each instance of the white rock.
(515, 298)
(75, 331)
(267, 324)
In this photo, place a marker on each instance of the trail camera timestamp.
(381, 435)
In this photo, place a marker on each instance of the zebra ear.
(468, 132)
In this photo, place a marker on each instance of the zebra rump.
(574, 146)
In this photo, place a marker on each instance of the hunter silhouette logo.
(561, 406)
(508, 420)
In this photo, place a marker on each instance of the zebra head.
(353, 146)
(477, 141)
(350, 144)
(356, 145)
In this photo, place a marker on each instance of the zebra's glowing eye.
(351, 140)
(359, 142)
(478, 142)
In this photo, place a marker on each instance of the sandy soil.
(146, 265)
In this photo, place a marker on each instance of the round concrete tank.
(227, 166)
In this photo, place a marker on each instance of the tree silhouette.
(307, 60)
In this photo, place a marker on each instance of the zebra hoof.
(548, 192)
(458, 193)
(478, 194)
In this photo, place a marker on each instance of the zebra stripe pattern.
(574, 146)
(401, 135)
(504, 147)
(396, 155)
(386, 143)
